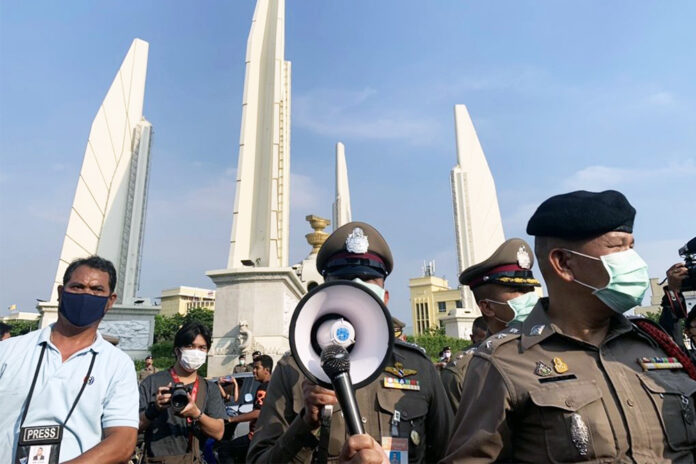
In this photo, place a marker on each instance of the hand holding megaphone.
(334, 319)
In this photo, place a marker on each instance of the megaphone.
(346, 314)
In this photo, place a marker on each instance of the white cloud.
(660, 99)
(605, 177)
(347, 113)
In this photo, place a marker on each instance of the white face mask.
(192, 359)
(376, 289)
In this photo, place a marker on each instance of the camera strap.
(41, 444)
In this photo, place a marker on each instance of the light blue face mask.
(521, 306)
(376, 289)
(628, 279)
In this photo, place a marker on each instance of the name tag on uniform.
(649, 364)
(396, 449)
(401, 384)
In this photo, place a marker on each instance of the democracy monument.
(107, 217)
(258, 289)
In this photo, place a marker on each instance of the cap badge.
(523, 259)
(357, 242)
(542, 370)
(559, 366)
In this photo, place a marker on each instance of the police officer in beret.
(503, 287)
(405, 411)
(578, 381)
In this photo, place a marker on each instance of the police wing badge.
(399, 371)
(523, 258)
(357, 242)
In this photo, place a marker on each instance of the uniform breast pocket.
(673, 399)
(575, 423)
(412, 410)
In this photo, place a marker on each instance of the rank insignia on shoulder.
(537, 329)
(501, 335)
(399, 371)
(542, 370)
(649, 364)
(559, 366)
(401, 384)
(513, 330)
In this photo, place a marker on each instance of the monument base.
(459, 323)
(253, 308)
(134, 325)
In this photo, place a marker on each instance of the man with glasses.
(173, 431)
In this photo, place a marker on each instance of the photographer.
(675, 306)
(177, 407)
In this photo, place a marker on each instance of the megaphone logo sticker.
(399, 371)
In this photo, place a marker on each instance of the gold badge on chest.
(399, 370)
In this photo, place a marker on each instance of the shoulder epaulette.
(490, 344)
(638, 321)
(411, 346)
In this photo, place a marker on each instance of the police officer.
(503, 287)
(411, 422)
(578, 381)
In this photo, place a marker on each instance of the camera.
(179, 398)
(688, 252)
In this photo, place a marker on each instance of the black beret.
(355, 248)
(581, 214)
(509, 265)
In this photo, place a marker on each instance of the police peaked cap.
(509, 265)
(582, 215)
(355, 249)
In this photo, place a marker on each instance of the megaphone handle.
(346, 398)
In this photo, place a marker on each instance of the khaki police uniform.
(425, 418)
(146, 372)
(406, 401)
(452, 376)
(510, 265)
(544, 396)
(547, 397)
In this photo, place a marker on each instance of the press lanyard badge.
(40, 444)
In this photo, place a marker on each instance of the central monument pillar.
(257, 291)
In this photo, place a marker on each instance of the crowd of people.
(563, 378)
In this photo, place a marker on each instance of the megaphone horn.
(345, 314)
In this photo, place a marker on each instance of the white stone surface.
(260, 229)
(477, 222)
(107, 215)
(253, 311)
(341, 207)
(458, 324)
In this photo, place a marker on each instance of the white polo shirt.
(110, 398)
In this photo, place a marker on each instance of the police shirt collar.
(537, 327)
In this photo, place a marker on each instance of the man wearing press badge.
(178, 408)
(578, 381)
(67, 394)
(404, 411)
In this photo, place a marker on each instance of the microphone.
(335, 361)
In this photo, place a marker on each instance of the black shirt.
(168, 433)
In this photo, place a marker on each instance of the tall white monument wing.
(107, 215)
(478, 227)
(260, 229)
(341, 207)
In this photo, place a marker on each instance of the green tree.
(434, 342)
(21, 327)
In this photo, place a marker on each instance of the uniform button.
(630, 403)
(364, 420)
(570, 403)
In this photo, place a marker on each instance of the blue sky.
(564, 95)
